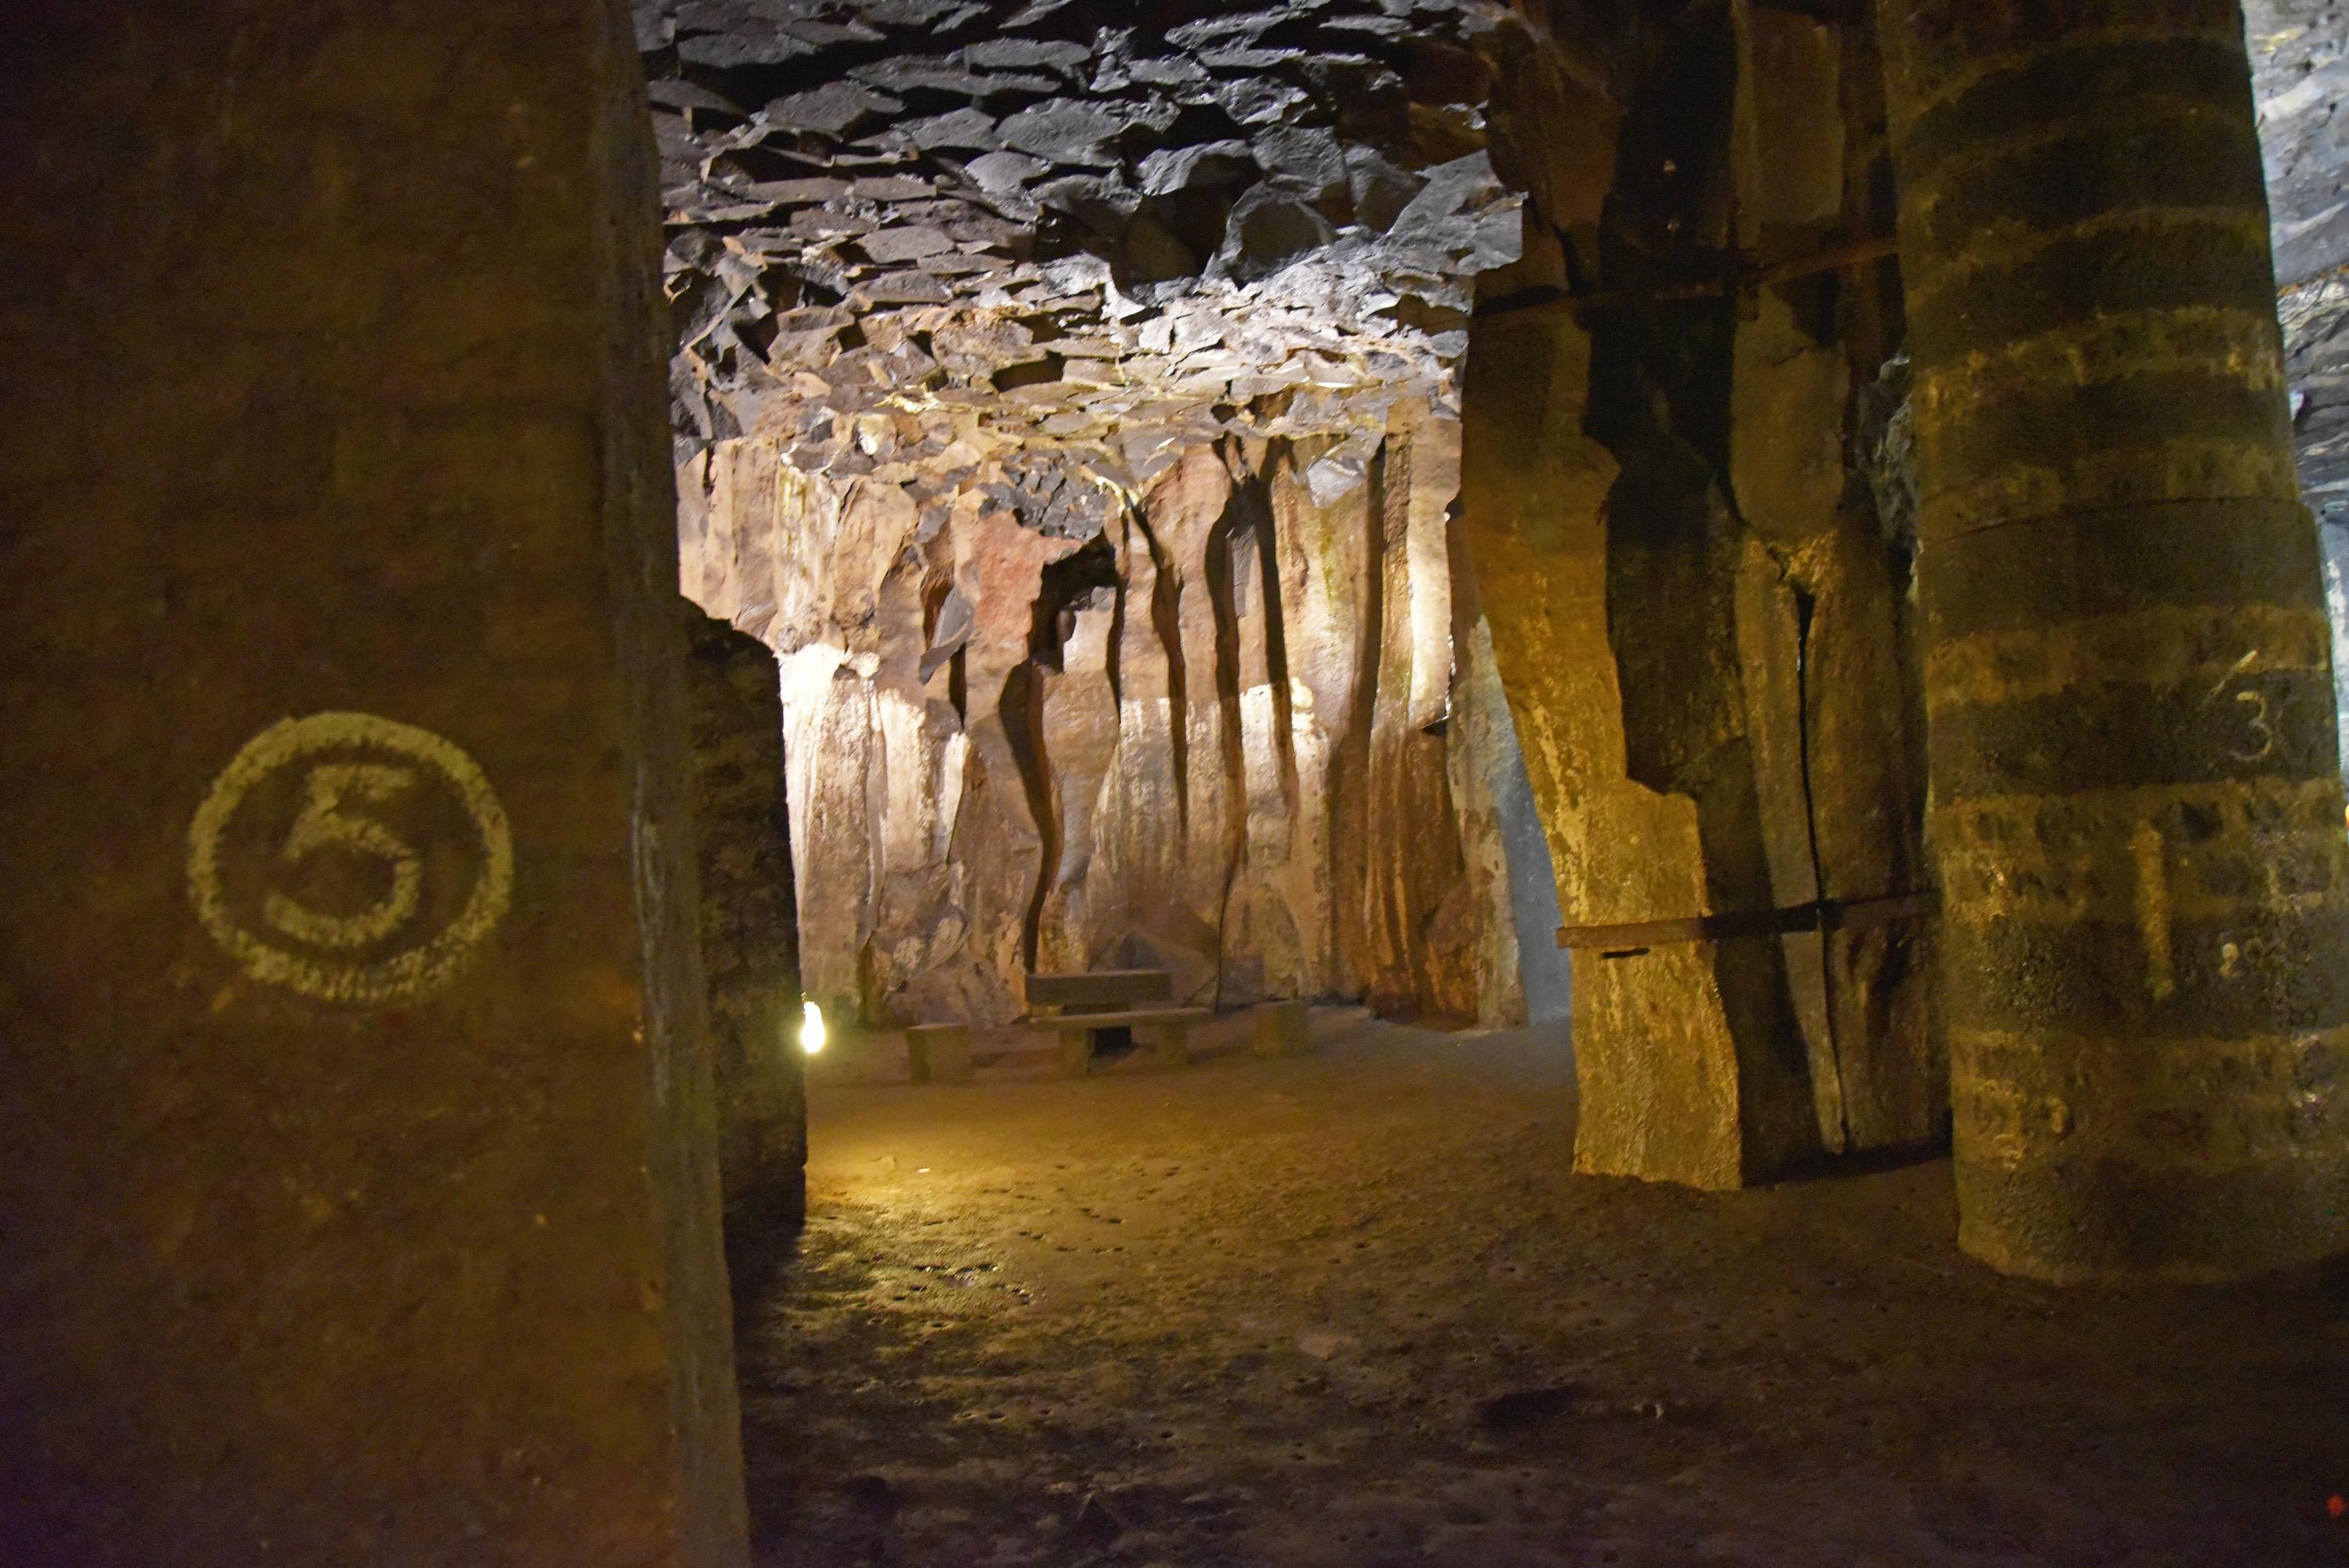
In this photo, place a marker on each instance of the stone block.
(1280, 1029)
(749, 930)
(939, 1053)
(1164, 1045)
(360, 1192)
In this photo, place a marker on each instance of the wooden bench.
(1103, 999)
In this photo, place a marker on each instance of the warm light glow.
(812, 1029)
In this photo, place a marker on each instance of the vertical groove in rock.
(1276, 631)
(1222, 542)
(1023, 727)
(1351, 803)
(1166, 622)
(1836, 1125)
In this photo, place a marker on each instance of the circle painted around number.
(421, 967)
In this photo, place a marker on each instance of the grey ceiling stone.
(896, 188)
(1270, 229)
(913, 13)
(1375, 26)
(675, 93)
(964, 127)
(833, 109)
(1173, 71)
(937, 76)
(1249, 60)
(2300, 78)
(1005, 171)
(1065, 132)
(1260, 100)
(1035, 11)
(1381, 190)
(1462, 185)
(1209, 166)
(1213, 30)
(1311, 155)
(729, 51)
(796, 192)
(907, 244)
(1014, 54)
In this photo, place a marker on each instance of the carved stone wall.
(1698, 607)
(1065, 392)
(1232, 733)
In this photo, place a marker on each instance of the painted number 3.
(2261, 738)
(354, 770)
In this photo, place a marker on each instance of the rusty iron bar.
(1744, 278)
(1824, 914)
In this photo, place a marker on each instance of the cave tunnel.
(1083, 782)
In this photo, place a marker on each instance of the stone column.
(356, 1148)
(2135, 807)
(749, 933)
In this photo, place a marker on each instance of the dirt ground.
(1352, 1310)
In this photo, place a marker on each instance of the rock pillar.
(749, 932)
(2136, 806)
(359, 1180)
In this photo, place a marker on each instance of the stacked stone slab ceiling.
(1016, 344)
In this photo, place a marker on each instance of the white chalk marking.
(2153, 911)
(330, 819)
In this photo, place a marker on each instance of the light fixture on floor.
(812, 1028)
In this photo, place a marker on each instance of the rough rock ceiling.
(2299, 60)
(941, 242)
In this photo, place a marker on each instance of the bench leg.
(1076, 1052)
(1282, 1029)
(1165, 1043)
(950, 1059)
(936, 1053)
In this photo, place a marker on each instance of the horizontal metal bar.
(1824, 915)
(1740, 274)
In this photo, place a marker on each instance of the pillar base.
(2081, 1221)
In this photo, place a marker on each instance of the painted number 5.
(357, 775)
(327, 822)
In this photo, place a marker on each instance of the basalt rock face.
(749, 928)
(1066, 394)
(2300, 76)
(1699, 608)
(1232, 735)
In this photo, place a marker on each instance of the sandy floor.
(1350, 1310)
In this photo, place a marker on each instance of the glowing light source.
(812, 1028)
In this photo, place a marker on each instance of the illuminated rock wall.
(1233, 733)
(1698, 606)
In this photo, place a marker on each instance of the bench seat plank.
(1101, 987)
(1142, 1019)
